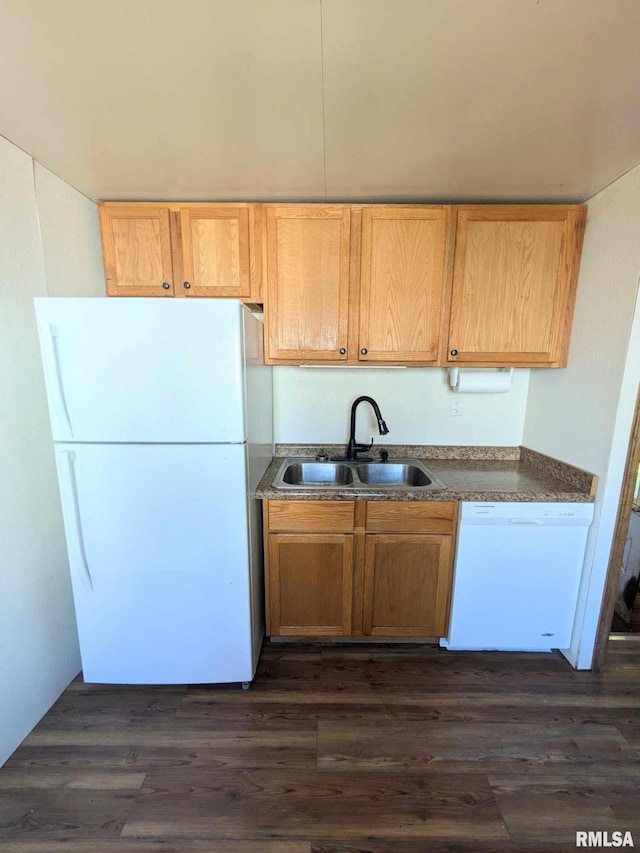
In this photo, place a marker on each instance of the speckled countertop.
(469, 473)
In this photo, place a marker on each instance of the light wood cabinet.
(467, 285)
(215, 251)
(307, 304)
(355, 285)
(311, 582)
(514, 281)
(358, 567)
(310, 516)
(471, 285)
(309, 567)
(136, 250)
(408, 568)
(407, 585)
(401, 284)
(182, 250)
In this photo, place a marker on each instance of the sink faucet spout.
(353, 448)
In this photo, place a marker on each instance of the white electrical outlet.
(457, 407)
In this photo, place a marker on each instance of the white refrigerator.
(161, 414)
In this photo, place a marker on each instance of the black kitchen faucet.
(353, 448)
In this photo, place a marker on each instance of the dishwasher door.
(517, 575)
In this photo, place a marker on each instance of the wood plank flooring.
(337, 749)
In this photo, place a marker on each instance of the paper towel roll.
(477, 381)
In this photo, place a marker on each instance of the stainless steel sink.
(317, 474)
(307, 473)
(393, 474)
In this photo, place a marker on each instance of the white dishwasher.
(516, 576)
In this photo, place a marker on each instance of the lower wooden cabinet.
(358, 568)
(407, 584)
(311, 584)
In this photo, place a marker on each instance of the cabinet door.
(136, 249)
(310, 584)
(514, 281)
(308, 268)
(401, 284)
(215, 251)
(407, 585)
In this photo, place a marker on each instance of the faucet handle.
(361, 448)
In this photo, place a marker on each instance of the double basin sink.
(394, 474)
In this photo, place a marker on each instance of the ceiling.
(430, 100)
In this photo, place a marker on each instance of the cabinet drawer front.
(409, 517)
(310, 516)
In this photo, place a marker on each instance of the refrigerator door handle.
(53, 339)
(71, 457)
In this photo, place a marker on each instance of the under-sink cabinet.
(358, 568)
(182, 249)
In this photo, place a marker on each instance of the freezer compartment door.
(148, 370)
(159, 556)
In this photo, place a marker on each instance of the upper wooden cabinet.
(467, 285)
(307, 303)
(401, 283)
(514, 281)
(353, 284)
(215, 251)
(136, 249)
(474, 285)
(182, 250)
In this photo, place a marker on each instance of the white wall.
(583, 414)
(313, 404)
(38, 642)
(70, 238)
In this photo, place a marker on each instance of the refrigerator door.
(143, 370)
(158, 549)
(259, 420)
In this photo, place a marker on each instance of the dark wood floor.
(336, 750)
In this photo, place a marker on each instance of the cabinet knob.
(166, 285)
(342, 351)
(454, 352)
(186, 285)
(363, 351)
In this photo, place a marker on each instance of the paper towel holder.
(454, 375)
